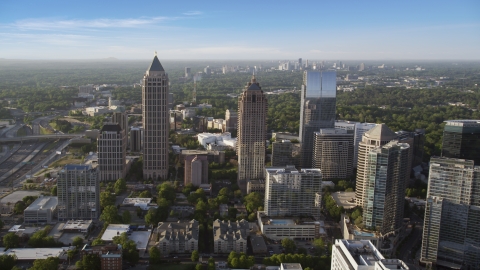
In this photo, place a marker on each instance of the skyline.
(374, 30)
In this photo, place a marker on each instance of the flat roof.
(35, 253)
(18, 196)
(114, 230)
(292, 266)
(137, 200)
(77, 225)
(140, 238)
(42, 203)
(258, 243)
(345, 199)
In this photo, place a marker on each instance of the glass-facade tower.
(461, 139)
(317, 109)
(451, 232)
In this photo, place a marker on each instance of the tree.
(155, 256)
(10, 240)
(289, 245)
(120, 186)
(19, 207)
(77, 242)
(89, 262)
(195, 256)
(129, 247)
(167, 192)
(211, 264)
(7, 261)
(50, 263)
(54, 191)
(106, 199)
(319, 245)
(70, 254)
(302, 250)
(110, 215)
(253, 201)
(98, 242)
(145, 194)
(126, 217)
(198, 267)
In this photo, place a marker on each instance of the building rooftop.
(115, 230)
(140, 238)
(291, 266)
(30, 254)
(111, 127)
(258, 244)
(77, 225)
(156, 66)
(178, 230)
(78, 167)
(43, 203)
(345, 199)
(135, 201)
(381, 131)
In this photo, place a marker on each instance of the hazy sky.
(262, 29)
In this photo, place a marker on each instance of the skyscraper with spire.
(155, 121)
(252, 133)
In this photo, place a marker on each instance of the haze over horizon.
(192, 30)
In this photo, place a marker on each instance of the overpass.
(36, 137)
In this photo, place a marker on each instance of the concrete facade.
(111, 153)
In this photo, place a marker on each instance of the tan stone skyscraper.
(252, 132)
(155, 121)
(375, 137)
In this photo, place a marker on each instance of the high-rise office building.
(196, 170)
(252, 133)
(317, 109)
(416, 140)
(155, 121)
(333, 153)
(111, 153)
(289, 192)
(78, 192)
(358, 129)
(135, 139)
(121, 119)
(188, 72)
(387, 175)
(231, 117)
(282, 153)
(375, 137)
(361, 255)
(451, 232)
(461, 139)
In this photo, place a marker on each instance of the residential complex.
(333, 153)
(385, 187)
(177, 237)
(375, 137)
(155, 87)
(252, 133)
(289, 192)
(361, 255)
(78, 192)
(111, 153)
(230, 236)
(317, 109)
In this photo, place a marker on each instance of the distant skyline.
(323, 30)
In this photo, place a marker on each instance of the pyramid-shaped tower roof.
(156, 66)
(381, 132)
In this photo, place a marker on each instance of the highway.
(36, 137)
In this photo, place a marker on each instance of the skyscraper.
(461, 139)
(385, 187)
(111, 153)
(333, 153)
(252, 133)
(375, 137)
(231, 118)
(155, 121)
(121, 119)
(196, 170)
(282, 153)
(78, 192)
(289, 192)
(135, 139)
(317, 109)
(358, 129)
(451, 232)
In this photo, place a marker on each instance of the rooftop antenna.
(155, 53)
